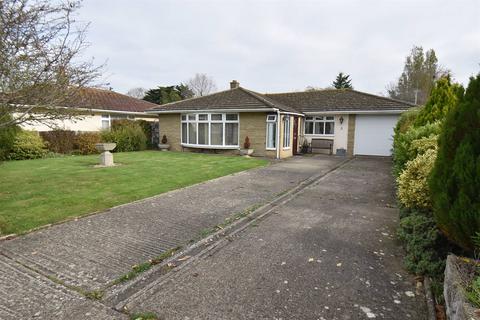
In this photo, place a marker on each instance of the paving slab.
(328, 253)
(25, 294)
(93, 251)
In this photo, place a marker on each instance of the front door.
(295, 135)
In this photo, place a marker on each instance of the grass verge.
(39, 192)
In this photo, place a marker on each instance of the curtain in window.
(216, 134)
(203, 133)
(184, 133)
(271, 135)
(192, 133)
(231, 134)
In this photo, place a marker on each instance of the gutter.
(211, 110)
(88, 109)
(356, 112)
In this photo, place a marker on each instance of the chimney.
(234, 84)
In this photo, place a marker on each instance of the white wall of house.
(339, 136)
(86, 122)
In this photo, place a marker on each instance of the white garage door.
(373, 134)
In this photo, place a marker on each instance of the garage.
(374, 134)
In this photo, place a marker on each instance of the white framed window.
(271, 132)
(320, 125)
(286, 132)
(210, 129)
(108, 118)
(106, 121)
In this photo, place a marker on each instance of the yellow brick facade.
(170, 125)
(351, 135)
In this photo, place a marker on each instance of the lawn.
(38, 192)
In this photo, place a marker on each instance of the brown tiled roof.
(238, 98)
(93, 98)
(338, 100)
(308, 101)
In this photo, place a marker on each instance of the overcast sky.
(275, 46)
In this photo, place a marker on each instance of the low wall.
(457, 306)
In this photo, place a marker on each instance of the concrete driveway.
(327, 253)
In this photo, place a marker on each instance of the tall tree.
(40, 65)
(342, 81)
(443, 98)
(162, 95)
(455, 180)
(418, 77)
(137, 92)
(201, 85)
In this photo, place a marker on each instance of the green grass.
(38, 192)
(138, 269)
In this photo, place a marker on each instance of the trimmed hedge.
(85, 142)
(59, 141)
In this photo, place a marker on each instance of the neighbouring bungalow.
(353, 122)
(95, 109)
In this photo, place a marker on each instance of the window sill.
(205, 146)
(271, 149)
(319, 135)
(287, 148)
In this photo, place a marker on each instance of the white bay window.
(215, 130)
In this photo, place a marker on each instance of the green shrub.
(59, 141)
(455, 180)
(85, 142)
(402, 144)
(413, 190)
(406, 121)
(147, 130)
(444, 97)
(423, 244)
(422, 145)
(128, 135)
(27, 145)
(7, 138)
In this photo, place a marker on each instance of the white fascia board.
(356, 112)
(211, 110)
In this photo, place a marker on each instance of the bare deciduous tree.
(40, 46)
(137, 92)
(201, 85)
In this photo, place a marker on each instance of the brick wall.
(170, 126)
(351, 135)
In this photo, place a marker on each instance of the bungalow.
(277, 125)
(95, 109)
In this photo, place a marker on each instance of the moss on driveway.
(38, 192)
